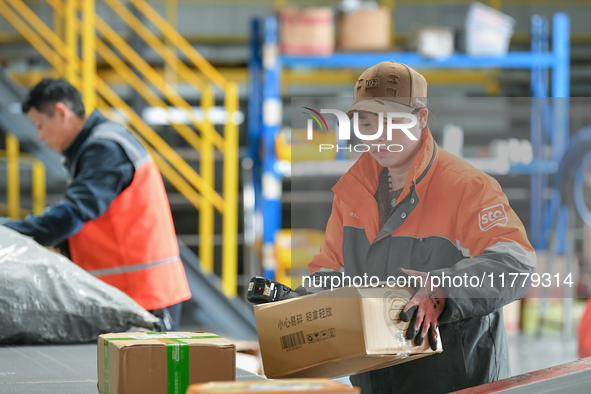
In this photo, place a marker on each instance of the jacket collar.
(357, 187)
(71, 150)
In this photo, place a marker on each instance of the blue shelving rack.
(265, 107)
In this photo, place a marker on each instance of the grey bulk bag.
(46, 298)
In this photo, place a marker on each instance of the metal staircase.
(11, 120)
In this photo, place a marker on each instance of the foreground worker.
(420, 210)
(115, 214)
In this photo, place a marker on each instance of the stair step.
(190, 154)
(178, 200)
(192, 240)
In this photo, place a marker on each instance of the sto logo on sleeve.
(492, 216)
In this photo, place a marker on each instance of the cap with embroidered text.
(389, 87)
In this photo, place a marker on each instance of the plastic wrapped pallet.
(45, 298)
(488, 31)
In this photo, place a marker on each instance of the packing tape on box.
(177, 358)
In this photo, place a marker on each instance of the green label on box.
(178, 366)
(177, 360)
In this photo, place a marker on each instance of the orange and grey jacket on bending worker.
(451, 219)
(133, 246)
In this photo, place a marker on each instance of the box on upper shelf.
(487, 31)
(365, 30)
(434, 41)
(307, 31)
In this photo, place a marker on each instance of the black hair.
(50, 91)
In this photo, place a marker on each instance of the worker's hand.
(423, 310)
(300, 290)
(54, 249)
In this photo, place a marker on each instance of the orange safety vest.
(133, 245)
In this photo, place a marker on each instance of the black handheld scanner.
(261, 290)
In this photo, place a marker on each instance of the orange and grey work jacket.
(450, 219)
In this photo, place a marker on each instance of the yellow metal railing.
(59, 48)
(13, 157)
(13, 191)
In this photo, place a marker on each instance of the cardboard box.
(308, 31)
(365, 30)
(286, 386)
(336, 333)
(248, 357)
(156, 363)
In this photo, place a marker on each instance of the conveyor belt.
(56, 369)
(569, 378)
(71, 369)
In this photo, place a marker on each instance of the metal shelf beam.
(525, 60)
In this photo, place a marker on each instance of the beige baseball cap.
(389, 87)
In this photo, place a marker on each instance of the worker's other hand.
(54, 249)
(300, 290)
(423, 310)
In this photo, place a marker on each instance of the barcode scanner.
(262, 290)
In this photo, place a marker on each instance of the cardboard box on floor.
(155, 363)
(336, 333)
(284, 386)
